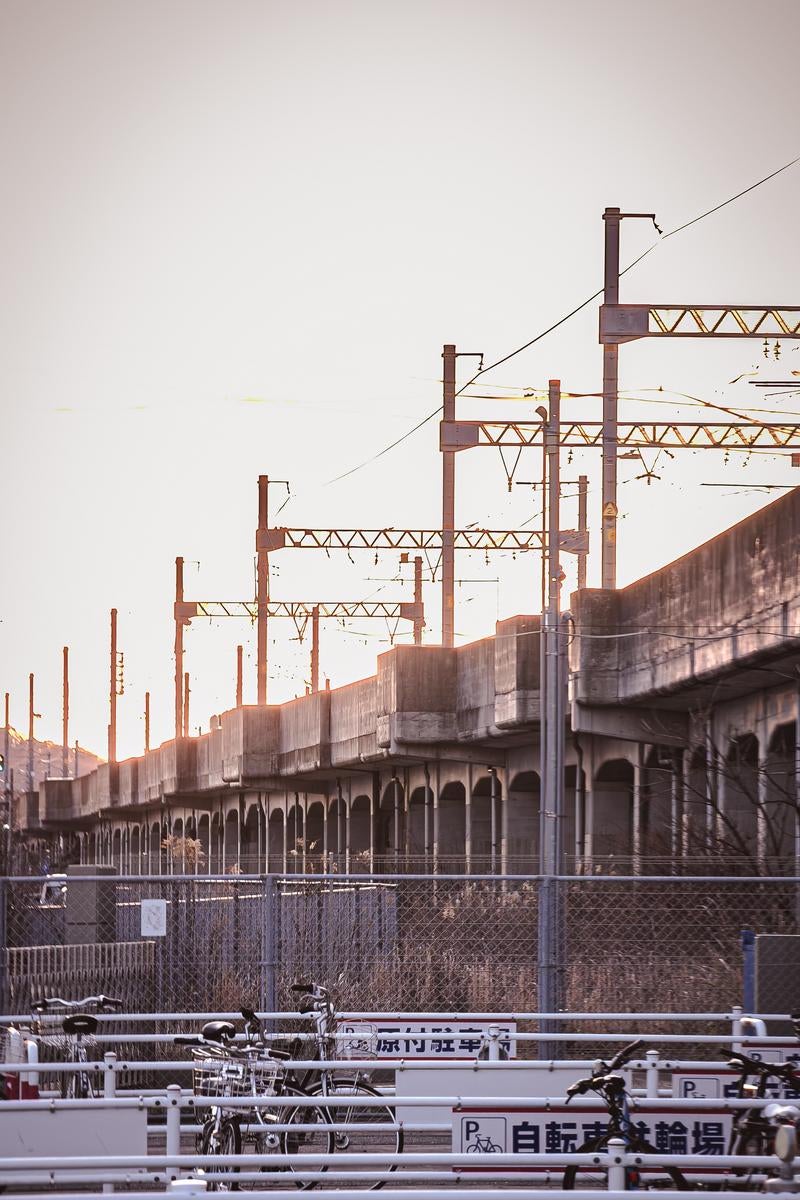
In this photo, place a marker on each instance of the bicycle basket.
(213, 1075)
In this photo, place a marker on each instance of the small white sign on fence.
(424, 1039)
(154, 918)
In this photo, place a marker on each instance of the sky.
(235, 237)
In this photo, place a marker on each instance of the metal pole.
(239, 676)
(448, 499)
(419, 620)
(186, 704)
(30, 732)
(178, 648)
(551, 804)
(493, 798)
(7, 745)
(262, 584)
(112, 694)
(146, 722)
(315, 649)
(583, 494)
(65, 716)
(76, 759)
(611, 216)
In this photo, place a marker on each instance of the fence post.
(173, 1124)
(748, 940)
(616, 1165)
(5, 991)
(652, 1073)
(269, 998)
(109, 1075)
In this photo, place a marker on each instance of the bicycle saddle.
(79, 1023)
(219, 1031)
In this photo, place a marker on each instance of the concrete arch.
(522, 822)
(252, 841)
(295, 834)
(390, 832)
(154, 838)
(452, 840)
(740, 819)
(361, 833)
(609, 831)
(116, 850)
(276, 841)
(486, 841)
(337, 830)
(215, 856)
(204, 838)
(230, 842)
(658, 817)
(780, 799)
(315, 834)
(420, 824)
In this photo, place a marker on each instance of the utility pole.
(448, 499)
(146, 722)
(76, 758)
(551, 739)
(239, 676)
(31, 715)
(65, 717)
(315, 649)
(583, 526)
(262, 584)
(419, 619)
(186, 704)
(112, 695)
(179, 622)
(611, 216)
(6, 753)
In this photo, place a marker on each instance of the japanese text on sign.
(423, 1039)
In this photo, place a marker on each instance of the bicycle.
(223, 1069)
(754, 1129)
(611, 1089)
(76, 1027)
(373, 1127)
(483, 1145)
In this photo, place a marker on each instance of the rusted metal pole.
(419, 619)
(65, 716)
(448, 499)
(112, 695)
(31, 715)
(146, 722)
(239, 676)
(186, 704)
(315, 649)
(611, 216)
(178, 648)
(583, 493)
(262, 584)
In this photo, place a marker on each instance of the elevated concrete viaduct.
(682, 745)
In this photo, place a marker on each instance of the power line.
(573, 312)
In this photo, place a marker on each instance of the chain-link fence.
(384, 943)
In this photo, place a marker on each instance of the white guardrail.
(147, 1137)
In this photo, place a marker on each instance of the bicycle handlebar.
(101, 1001)
(755, 1066)
(603, 1078)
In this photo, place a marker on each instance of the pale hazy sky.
(234, 238)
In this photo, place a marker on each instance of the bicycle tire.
(577, 1177)
(315, 1140)
(389, 1141)
(227, 1141)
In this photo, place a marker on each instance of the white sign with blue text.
(423, 1039)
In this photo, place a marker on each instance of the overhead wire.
(568, 316)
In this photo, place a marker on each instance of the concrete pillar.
(436, 817)
(677, 822)
(468, 821)
(502, 775)
(638, 773)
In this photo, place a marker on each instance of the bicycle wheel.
(312, 1136)
(579, 1178)
(360, 1137)
(225, 1139)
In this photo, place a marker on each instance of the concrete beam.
(660, 727)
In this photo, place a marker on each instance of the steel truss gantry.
(666, 435)
(573, 541)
